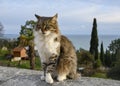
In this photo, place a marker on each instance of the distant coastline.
(10, 36)
(17, 35)
(83, 41)
(79, 41)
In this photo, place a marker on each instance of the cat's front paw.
(48, 78)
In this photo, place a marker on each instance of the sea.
(83, 41)
(79, 41)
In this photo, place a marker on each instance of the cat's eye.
(47, 27)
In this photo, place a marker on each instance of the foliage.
(26, 64)
(114, 46)
(3, 60)
(84, 57)
(78, 56)
(102, 53)
(99, 75)
(23, 64)
(3, 52)
(97, 63)
(26, 33)
(94, 40)
(26, 39)
(117, 54)
(85, 60)
(114, 72)
(108, 59)
(9, 44)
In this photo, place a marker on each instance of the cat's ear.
(54, 18)
(37, 16)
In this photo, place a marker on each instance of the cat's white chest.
(46, 46)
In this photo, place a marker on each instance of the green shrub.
(84, 57)
(100, 75)
(97, 64)
(3, 52)
(85, 60)
(114, 72)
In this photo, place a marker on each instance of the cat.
(57, 53)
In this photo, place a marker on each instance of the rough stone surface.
(23, 77)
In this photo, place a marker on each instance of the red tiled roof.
(18, 48)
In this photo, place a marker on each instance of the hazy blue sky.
(74, 16)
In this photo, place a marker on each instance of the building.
(20, 52)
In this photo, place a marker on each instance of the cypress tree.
(108, 58)
(94, 40)
(102, 53)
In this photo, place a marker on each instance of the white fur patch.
(61, 77)
(46, 45)
(48, 78)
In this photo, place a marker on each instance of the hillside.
(23, 77)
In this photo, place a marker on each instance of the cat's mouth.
(45, 33)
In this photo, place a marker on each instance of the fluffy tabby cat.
(56, 52)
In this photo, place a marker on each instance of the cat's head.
(46, 25)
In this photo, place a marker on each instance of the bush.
(114, 72)
(3, 52)
(88, 72)
(99, 75)
(84, 57)
(97, 64)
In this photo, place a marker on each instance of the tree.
(108, 60)
(117, 55)
(94, 40)
(97, 63)
(114, 72)
(102, 53)
(114, 45)
(26, 39)
(114, 48)
(1, 29)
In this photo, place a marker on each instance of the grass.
(100, 75)
(3, 61)
(23, 64)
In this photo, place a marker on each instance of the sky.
(74, 16)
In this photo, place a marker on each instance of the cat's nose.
(43, 32)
